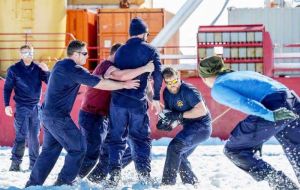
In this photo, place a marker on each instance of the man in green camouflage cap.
(272, 111)
(212, 66)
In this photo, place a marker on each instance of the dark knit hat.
(137, 26)
(212, 66)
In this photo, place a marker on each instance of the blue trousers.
(132, 123)
(102, 168)
(185, 142)
(27, 127)
(250, 134)
(59, 133)
(94, 128)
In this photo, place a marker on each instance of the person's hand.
(283, 113)
(43, 66)
(131, 84)
(8, 111)
(156, 105)
(149, 67)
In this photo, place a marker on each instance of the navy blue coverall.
(128, 109)
(194, 132)
(60, 130)
(236, 90)
(26, 81)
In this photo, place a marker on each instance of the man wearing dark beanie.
(272, 111)
(128, 109)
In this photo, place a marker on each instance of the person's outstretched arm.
(127, 74)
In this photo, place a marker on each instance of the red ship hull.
(223, 120)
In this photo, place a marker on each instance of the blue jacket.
(26, 81)
(65, 80)
(244, 91)
(136, 53)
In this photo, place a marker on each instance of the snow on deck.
(213, 169)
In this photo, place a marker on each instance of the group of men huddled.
(114, 125)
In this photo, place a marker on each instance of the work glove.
(168, 120)
(175, 115)
(164, 124)
(283, 113)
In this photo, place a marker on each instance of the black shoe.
(279, 181)
(85, 169)
(115, 178)
(15, 167)
(60, 182)
(96, 177)
(146, 179)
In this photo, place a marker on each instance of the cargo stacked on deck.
(82, 23)
(113, 25)
(243, 47)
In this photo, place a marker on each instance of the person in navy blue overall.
(128, 108)
(60, 130)
(187, 106)
(25, 78)
(93, 121)
(272, 110)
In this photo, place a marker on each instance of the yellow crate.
(250, 52)
(218, 37)
(259, 67)
(202, 52)
(258, 52)
(234, 52)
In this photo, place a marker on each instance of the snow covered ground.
(213, 169)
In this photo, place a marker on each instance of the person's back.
(241, 81)
(128, 109)
(272, 111)
(136, 53)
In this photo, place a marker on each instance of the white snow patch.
(214, 171)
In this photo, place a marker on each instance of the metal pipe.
(175, 23)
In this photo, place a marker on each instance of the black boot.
(85, 169)
(15, 167)
(60, 182)
(145, 178)
(279, 181)
(96, 177)
(115, 178)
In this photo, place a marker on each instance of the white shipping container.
(283, 24)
